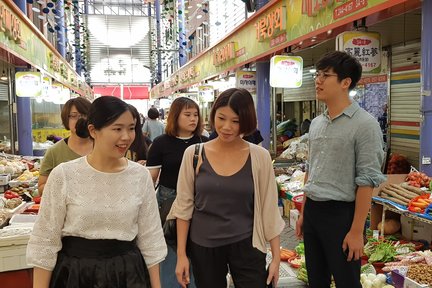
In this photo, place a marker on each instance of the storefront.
(294, 28)
(24, 49)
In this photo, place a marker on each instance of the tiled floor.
(288, 238)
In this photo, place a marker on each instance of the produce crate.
(409, 283)
(13, 253)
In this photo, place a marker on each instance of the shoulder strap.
(198, 149)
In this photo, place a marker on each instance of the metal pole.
(273, 100)
(158, 40)
(12, 110)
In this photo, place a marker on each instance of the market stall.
(18, 193)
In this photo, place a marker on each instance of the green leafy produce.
(300, 248)
(384, 252)
(302, 275)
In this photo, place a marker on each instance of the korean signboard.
(365, 46)
(28, 84)
(246, 80)
(286, 71)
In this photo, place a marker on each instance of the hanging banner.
(365, 46)
(46, 84)
(246, 80)
(206, 93)
(286, 71)
(28, 84)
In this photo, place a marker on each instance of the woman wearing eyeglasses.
(69, 148)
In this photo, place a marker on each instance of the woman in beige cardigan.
(229, 208)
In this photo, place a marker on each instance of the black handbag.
(169, 226)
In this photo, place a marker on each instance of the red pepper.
(10, 194)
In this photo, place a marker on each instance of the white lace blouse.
(80, 201)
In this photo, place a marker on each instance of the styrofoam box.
(13, 253)
(4, 179)
(409, 283)
(294, 215)
(415, 230)
(22, 218)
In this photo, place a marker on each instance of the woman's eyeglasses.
(322, 76)
(75, 116)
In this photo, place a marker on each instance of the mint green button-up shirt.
(344, 153)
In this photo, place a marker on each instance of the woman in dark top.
(164, 159)
(139, 148)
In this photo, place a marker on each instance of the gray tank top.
(224, 206)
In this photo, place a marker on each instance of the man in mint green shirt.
(344, 165)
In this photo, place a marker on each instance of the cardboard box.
(415, 230)
(376, 209)
(4, 179)
(294, 215)
(409, 283)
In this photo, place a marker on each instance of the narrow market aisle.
(288, 238)
(287, 274)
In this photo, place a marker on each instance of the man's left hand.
(353, 244)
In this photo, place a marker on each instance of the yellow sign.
(224, 54)
(10, 24)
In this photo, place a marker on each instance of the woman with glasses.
(71, 147)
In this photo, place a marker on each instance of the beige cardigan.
(268, 222)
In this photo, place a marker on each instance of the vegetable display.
(418, 179)
(400, 194)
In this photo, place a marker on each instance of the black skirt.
(84, 263)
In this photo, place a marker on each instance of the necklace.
(185, 139)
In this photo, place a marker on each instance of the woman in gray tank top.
(229, 210)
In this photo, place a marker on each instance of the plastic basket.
(298, 201)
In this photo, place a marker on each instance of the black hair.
(153, 113)
(343, 64)
(139, 145)
(103, 112)
(241, 102)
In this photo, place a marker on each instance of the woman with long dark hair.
(98, 225)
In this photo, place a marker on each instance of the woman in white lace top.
(98, 225)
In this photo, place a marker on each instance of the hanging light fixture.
(3, 77)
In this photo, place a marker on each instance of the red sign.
(373, 79)
(348, 8)
(278, 40)
(132, 92)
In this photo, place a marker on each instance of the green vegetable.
(300, 248)
(384, 252)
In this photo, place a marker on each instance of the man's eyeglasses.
(75, 116)
(322, 76)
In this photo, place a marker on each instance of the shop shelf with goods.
(383, 208)
(290, 180)
(392, 204)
